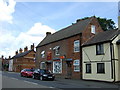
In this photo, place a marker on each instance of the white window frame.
(57, 67)
(43, 54)
(56, 49)
(76, 63)
(93, 29)
(77, 46)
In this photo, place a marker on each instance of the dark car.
(27, 72)
(43, 74)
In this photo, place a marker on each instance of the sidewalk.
(94, 84)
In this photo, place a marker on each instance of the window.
(56, 49)
(76, 46)
(57, 67)
(43, 54)
(100, 49)
(43, 66)
(88, 68)
(93, 29)
(76, 64)
(100, 68)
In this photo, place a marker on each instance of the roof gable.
(22, 54)
(69, 31)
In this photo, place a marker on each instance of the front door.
(68, 70)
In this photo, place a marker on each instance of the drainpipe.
(80, 55)
(114, 63)
(111, 52)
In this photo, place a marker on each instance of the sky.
(25, 23)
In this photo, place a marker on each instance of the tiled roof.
(22, 54)
(102, 37)
(69, 31)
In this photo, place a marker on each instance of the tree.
(106, 24)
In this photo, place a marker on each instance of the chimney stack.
(20, 51)
(9, 57)
(16, 52)
(25, 49)
(48, 33)
(119, 15)
(32, 47)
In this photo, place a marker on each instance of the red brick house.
(24, 59)
(61, 52)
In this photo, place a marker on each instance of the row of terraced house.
(80, 51)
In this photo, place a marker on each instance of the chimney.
(32, 46)
(16, 52)
(20, 51)
(119, 15)
(48, 33)
(2, 57)
(9, 57)
(25, 49)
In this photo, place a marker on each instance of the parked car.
(27, 72)
(43, 74)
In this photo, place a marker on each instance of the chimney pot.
(16, 52)
(48, 33)
(25, 49)
(20, 51)
(32, 46)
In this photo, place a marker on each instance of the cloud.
(10, 43)
(7, 8)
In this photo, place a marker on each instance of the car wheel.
(41, 78)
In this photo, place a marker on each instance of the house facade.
(101, 57)
(61, 52)
(24, 59)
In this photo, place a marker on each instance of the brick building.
(24, 59)
(61, 52)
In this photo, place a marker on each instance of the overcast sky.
(24, 23)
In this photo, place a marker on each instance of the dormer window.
(43, 54)
(56, 49)
(93, 29)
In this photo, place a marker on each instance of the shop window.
(57, 67)
(99, 49)
(88, 68)
(76, 64)
(100, 68)
(76, 46)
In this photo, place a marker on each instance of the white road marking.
(14, 78)
(51, 87)
(31, 82)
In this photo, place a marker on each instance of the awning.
(48, 62)
(56, 58)
(56, 47)
(118, 42)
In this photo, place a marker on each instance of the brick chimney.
(9, 57)
(25, 49)
(16, 52)
(48, 33)
(20, 51)
(32, 46)
(2, 57)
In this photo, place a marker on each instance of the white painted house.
(10, 65)
(101, 57)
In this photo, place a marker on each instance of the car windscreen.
(30, 70)
(45, 71)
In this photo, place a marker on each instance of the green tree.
(106, 24)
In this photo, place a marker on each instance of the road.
(13, 80)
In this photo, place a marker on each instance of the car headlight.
(44, 75)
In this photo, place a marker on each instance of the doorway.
(68, 70)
